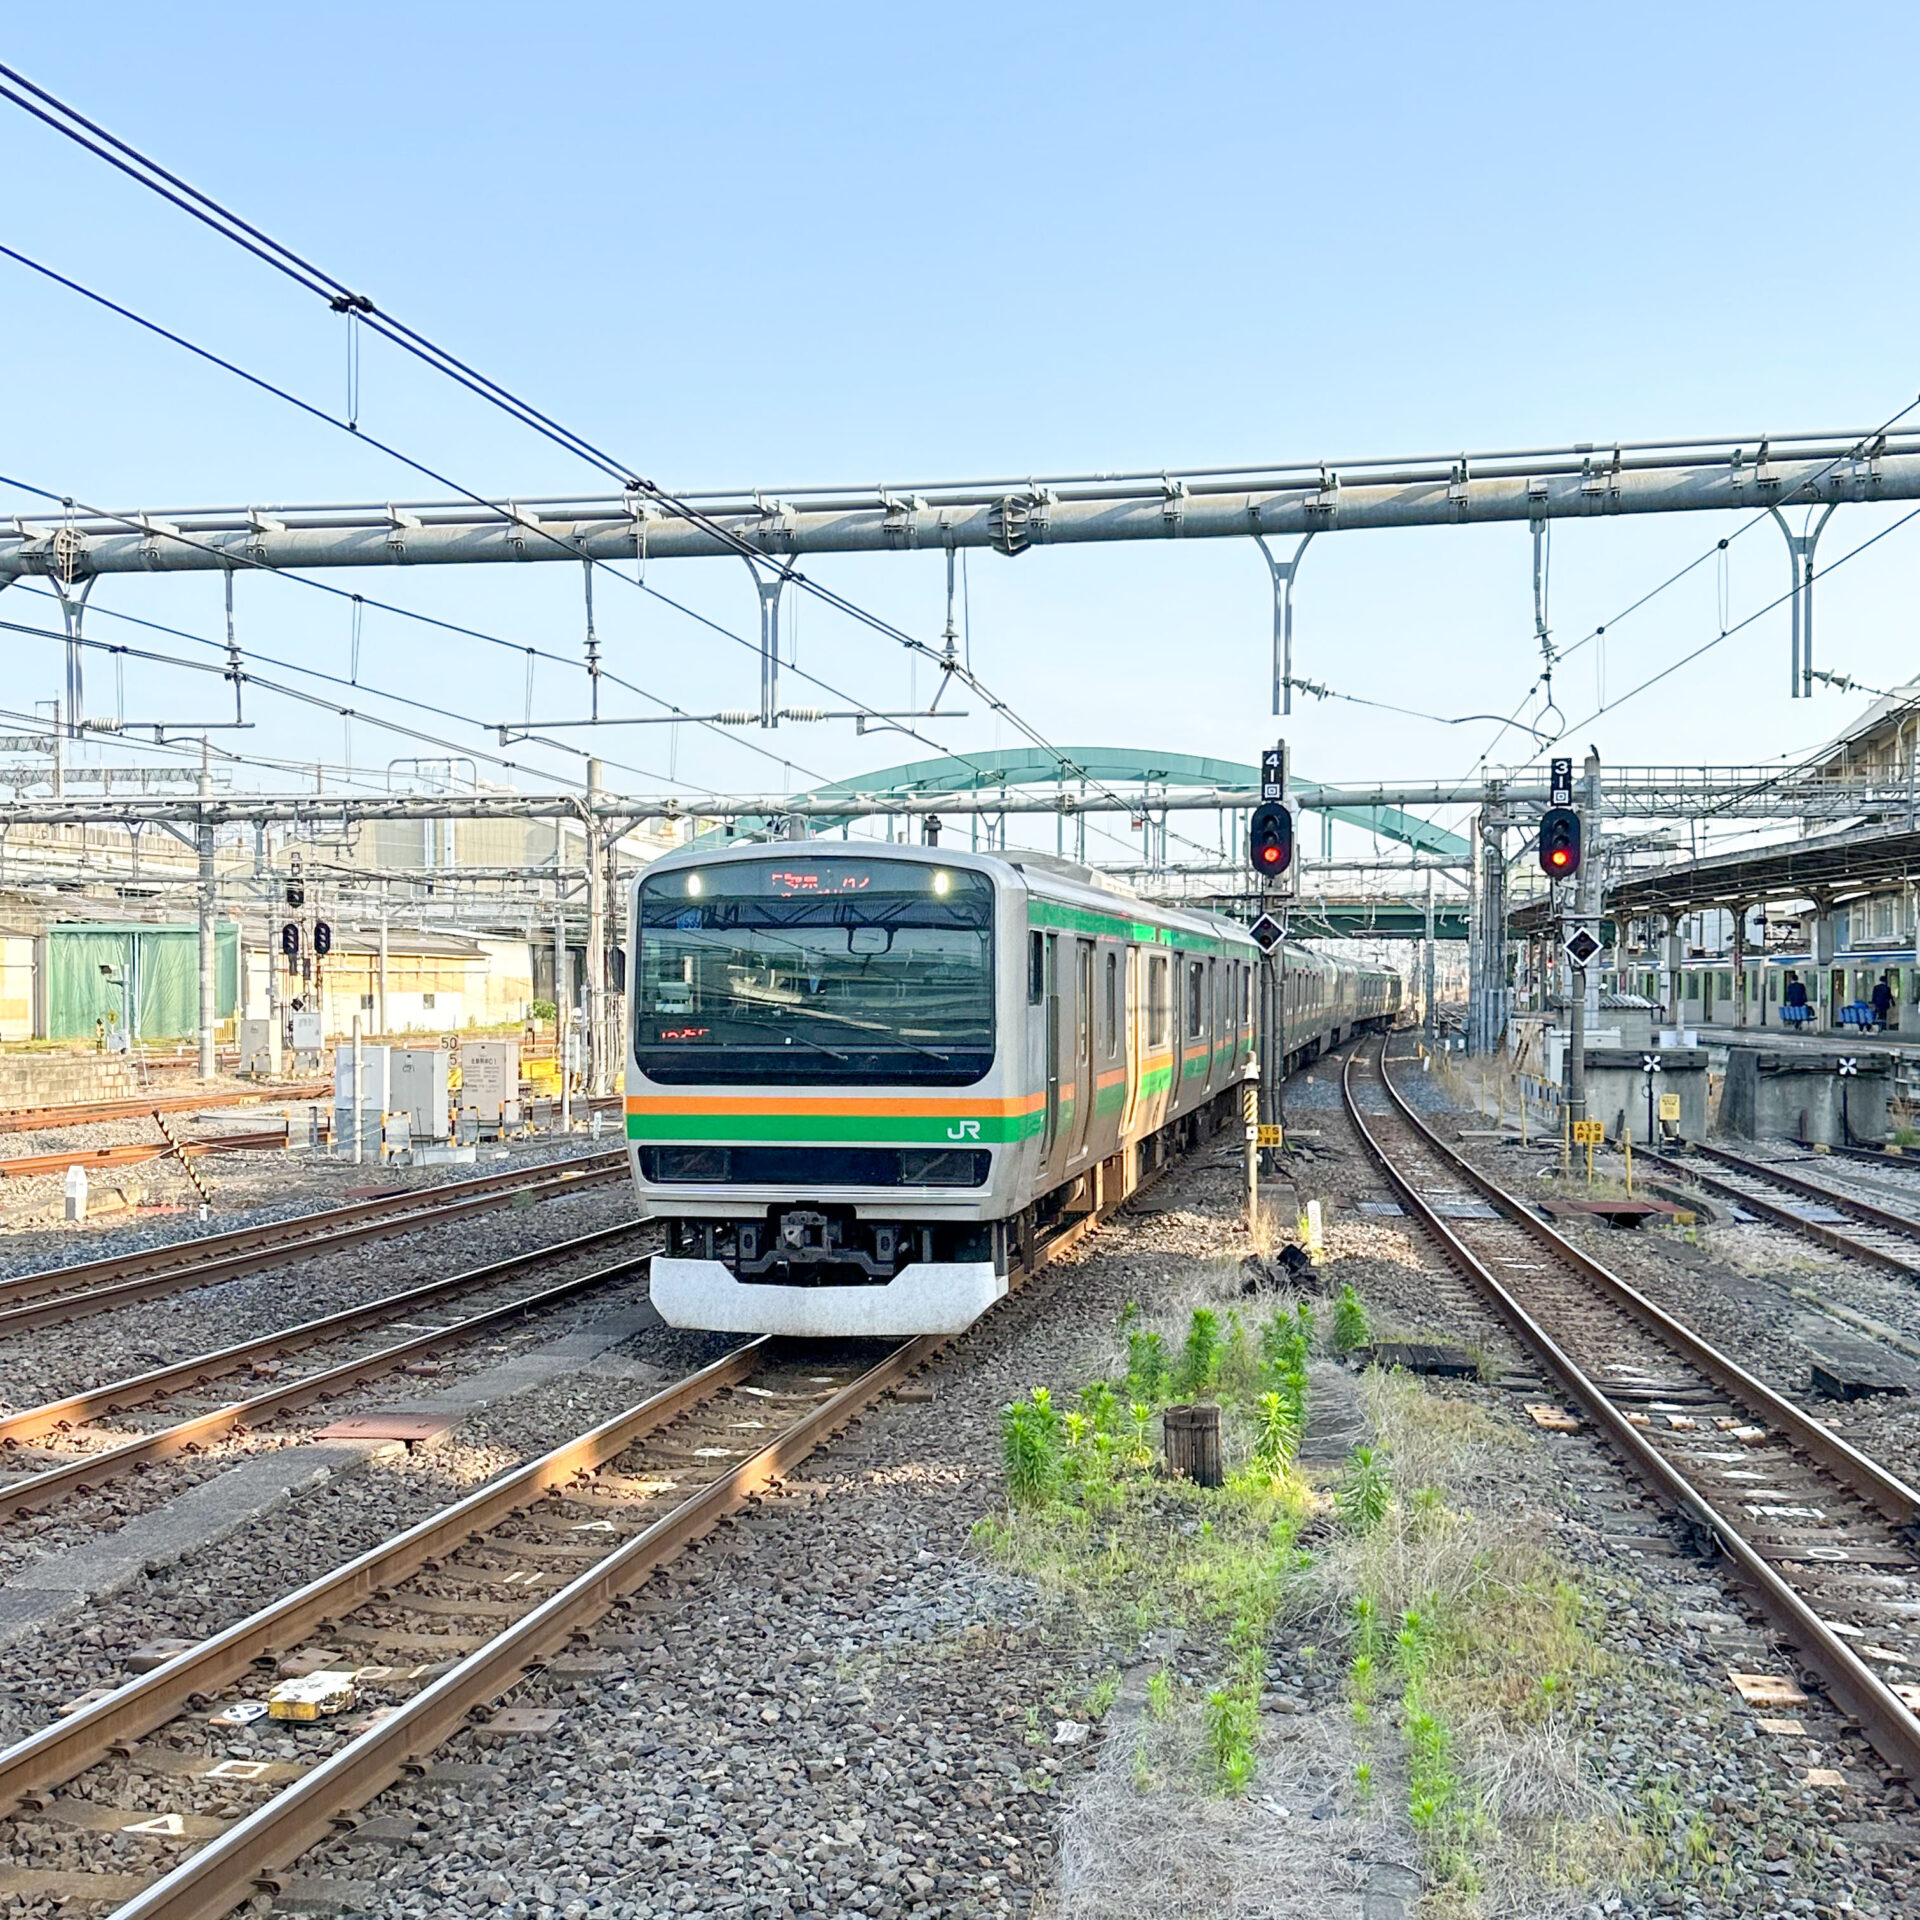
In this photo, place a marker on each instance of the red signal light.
(1270, 838)
(1559, 842)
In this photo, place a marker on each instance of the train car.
(861, 1080)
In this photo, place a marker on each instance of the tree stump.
(1192, 1438)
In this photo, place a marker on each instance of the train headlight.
(695, 886)
(943, 883)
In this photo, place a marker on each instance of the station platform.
(1832, 1040)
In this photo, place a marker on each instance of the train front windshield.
(820, 971)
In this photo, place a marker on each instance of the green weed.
(1148, 1374)
(1031, 1444)
(1200, 1358)
(1102, 1694)
(1276, 1439)
(1365, 1491)
(1351, 1327)
(1159, 1694)
(1232, 1720)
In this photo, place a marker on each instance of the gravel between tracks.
(836, 1707)
(51, 1362)
(248, 1188)
(1737, 1285)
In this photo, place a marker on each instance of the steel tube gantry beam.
(1008, 515)
(1729, 798)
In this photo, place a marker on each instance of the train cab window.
(1113, 1005)
(813, 969)
(1158, 1009)
(1196, 1003)
(1036, 968)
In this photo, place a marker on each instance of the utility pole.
(1429, 1024)
(204, 836)
(596, 938)
(270, 893)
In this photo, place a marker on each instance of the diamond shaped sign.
(1581, 946)
(1266, 931)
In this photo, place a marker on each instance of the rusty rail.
(94, 1470)
(1887, 1723)
(80, 1113)
(55, 1308)
(1824, 1232)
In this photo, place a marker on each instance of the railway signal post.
(1270, 855)
(1563, 834)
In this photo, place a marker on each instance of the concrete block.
(1800, 1093)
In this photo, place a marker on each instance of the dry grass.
(1525, 1831)
(1141, 1841)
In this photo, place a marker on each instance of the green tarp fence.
(161, 965)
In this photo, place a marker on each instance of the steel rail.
(79, 1113)
(93, 1471)
(1888, 1724)
(272, 1233)
(229, 1869)
(1782, 1215)
(54, 1754)
(23, 1166)
(242, 1861)
(76, 1409)
(56, 1309)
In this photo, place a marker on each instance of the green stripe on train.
(1106, 926)
(732, 1129)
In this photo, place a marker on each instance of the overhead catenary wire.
(320, 414)
(75, 126)
(1596, 635)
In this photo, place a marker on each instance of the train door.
(1082, 1043)
(1216, 1015)
(1131, 1050)
(1050, 1016)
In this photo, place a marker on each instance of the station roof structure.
(1836, 867)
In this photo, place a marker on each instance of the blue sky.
(767, 246)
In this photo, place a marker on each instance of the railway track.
(23, 1166)
(434, 1625)
(80, 1113)
(1831, 1215)
(56, 1294)
(34, 1492)
(1822, 1535)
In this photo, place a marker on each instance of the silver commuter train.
(860, 1081)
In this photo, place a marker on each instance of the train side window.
(1036, 969)
(1195, 1014)
(1113, 1004)
(1157, 1007)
